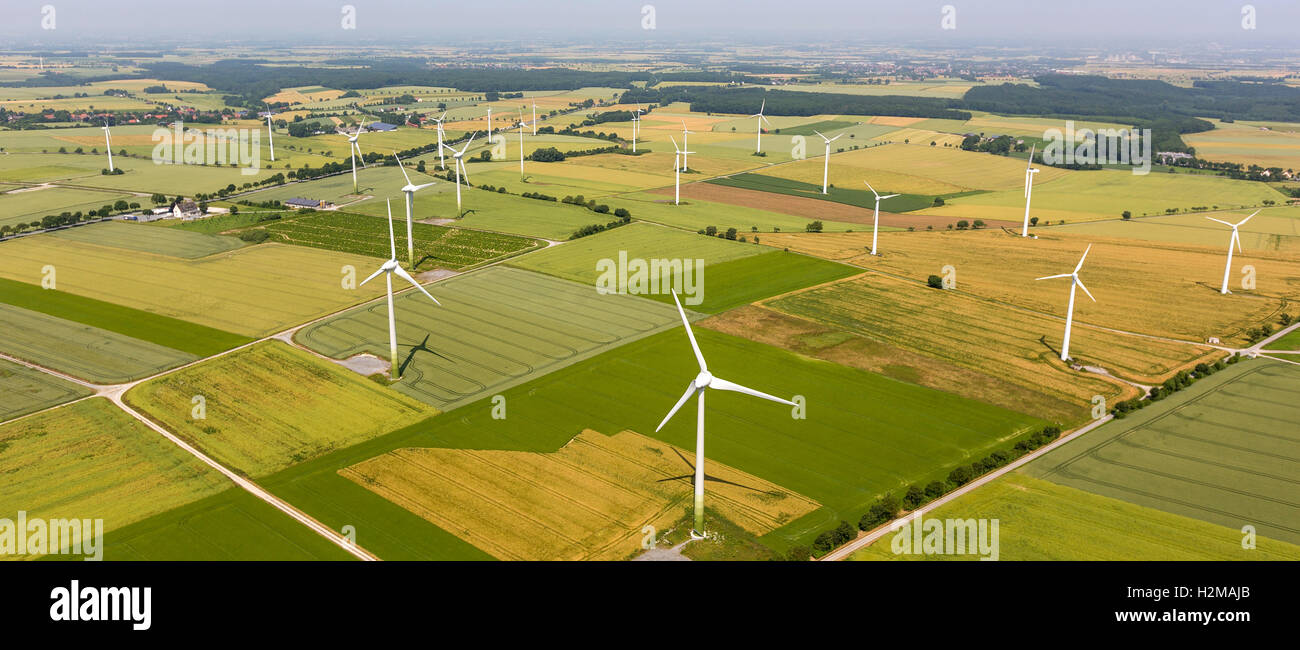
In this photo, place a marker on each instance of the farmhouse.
(381, 126)
(185, 209)
(314, 204)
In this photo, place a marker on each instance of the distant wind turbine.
(636, 126)
(441, 162)
(677, 173)
(534, 118)
(390, 268)
(1236, 240)
(1030, 170)
(522, 125)
(355, 149)
(459, 164)
(489, 135)
(826, 168)
(409, 191)
(758, 148)
(875, 228)
(1069, 313)
(703, 381)
(108, 144)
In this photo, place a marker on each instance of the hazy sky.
(1064, 21)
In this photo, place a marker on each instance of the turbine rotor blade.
(1085, 289)
(401, 167)
(401, 272)
(690, 390)
(1053, 277)
(723, 384)
(1236, 238)
(372, 276)
(873, 190)
(1081, 259)
(889, 196)
(1243, 221)
(1219, 221)
(392, 241)
(699, 356)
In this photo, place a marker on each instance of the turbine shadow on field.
(422, 347)
(707, 478)
(1055, 353)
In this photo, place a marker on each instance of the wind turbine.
(441, 162)
(686, 144)
(703, 381)
(409, 191)
(826, 168)
(876, 226)
(355, 149)
(1030, 170)
(522, 124)
(270, 134)
(1069, 313)
(108, 144)
(489, 135)
(459, 164)
(677, 173)
(761, 119)
(1236, 240)
(534, 118)
(636, 126)
(390, 268)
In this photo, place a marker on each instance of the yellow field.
(921, 137)
(915, 168)
(1258, 143)
(895, 121)
(252, 291)
(91, 460)
(1018, 346)
(270, 406)
(1154, 288)
(587, 501)
(297, 96)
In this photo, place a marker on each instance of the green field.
(435, 246)
(270, 406)
(231, 525)
(826, 127)
(496, 327)
(86, 352)
(1273, 229)
(862, 198)
(1289, 342)
(848, 451)
(252, 291)
(698, 215)
(1039, 520)
(24, 390)
(92, 460)
(577, 260)
(141, 238)
(1222, 451)
(25, 206)
(168, 332)
(740, 282)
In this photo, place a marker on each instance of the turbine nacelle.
(703, 379)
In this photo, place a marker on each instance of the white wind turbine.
(636, 126)
(1069, 313)
(489, 135)
(108, 144)
(534, 118)
(1030, 170)
(355, 149)
(703, 381)
(758, 148)
(677, 173)
(1236, 240)
(270, 134)
(875, 228)
(409, 191)
(441, 161)
(522, 125)
(826, 168)
(686, 144)
(390, 268)
(459, 164)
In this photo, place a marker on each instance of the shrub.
(935, 282)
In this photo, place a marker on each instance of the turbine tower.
(1075, 282)
(1235, 241)
(534, 118)
(697, 387)
(875, 228)
(826, 168)
(1030, 170)
(677, 173)
(522, 125)
(390, 268)
(489, 135)
(441, 162)
(355, 148)
(409, 191)
(758, 148)
(108, 144)
(459, 164)
(636, 126)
